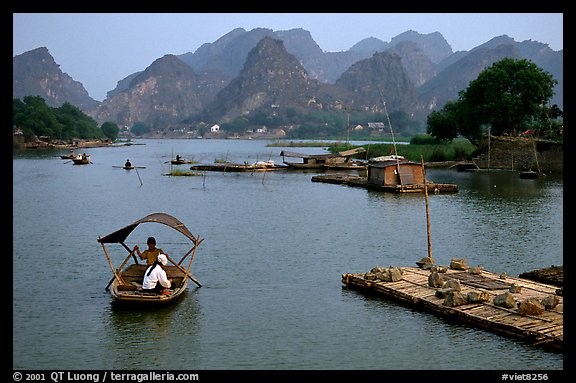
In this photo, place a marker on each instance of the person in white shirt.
(155, 278)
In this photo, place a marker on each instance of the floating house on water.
(395, 173)
(390, 173)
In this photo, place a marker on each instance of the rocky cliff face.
(432, 44)
(162, 95)
(271, 78)
(228, 54)
(418, 66)
(380, 78)
(35, 73)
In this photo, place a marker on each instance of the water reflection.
(391, 317)
(144, 336)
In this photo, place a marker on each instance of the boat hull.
(528, 174)
(81, 160)
(130, 292)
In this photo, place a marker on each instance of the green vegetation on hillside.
(36, 119)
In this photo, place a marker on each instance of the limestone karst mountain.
(35, 73)
(226, 78)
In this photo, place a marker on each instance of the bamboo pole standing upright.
(427, 209)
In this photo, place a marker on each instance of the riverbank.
(79, 144)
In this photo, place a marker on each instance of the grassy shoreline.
(458, 150)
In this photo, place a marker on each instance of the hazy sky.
(100, 49)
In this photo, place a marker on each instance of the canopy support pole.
(183, 270)
(123, 263)
(116, 275)
(193, 254)
(197, 243)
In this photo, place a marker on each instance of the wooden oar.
(183, 270)
(116, 275)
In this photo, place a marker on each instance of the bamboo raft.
(553, 275)
(545, 330)
(234, 167)
(360, 181)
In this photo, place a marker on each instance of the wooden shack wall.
(375, 176)
(411, 174)
(381, 176)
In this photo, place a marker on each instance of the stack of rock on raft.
(522, 308)
(451, 291)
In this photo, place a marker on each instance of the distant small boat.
(69, 156)
(529, 174)
(129, 167)
(180, 161)
(81, 159)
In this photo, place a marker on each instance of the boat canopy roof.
(121, 234)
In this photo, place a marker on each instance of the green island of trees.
(35, 118)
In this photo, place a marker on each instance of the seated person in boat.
(151, 254)
(155, 278)
(128, 164)
(177, 157)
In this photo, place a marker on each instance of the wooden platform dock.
(553, 275)
(360, 181)
(234, 167)
(412, 288)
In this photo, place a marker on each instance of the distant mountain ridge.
(221, 80)
(35, 73)
(270, 76)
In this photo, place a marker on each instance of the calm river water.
(275, 247)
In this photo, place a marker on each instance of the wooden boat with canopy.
(126, 283)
